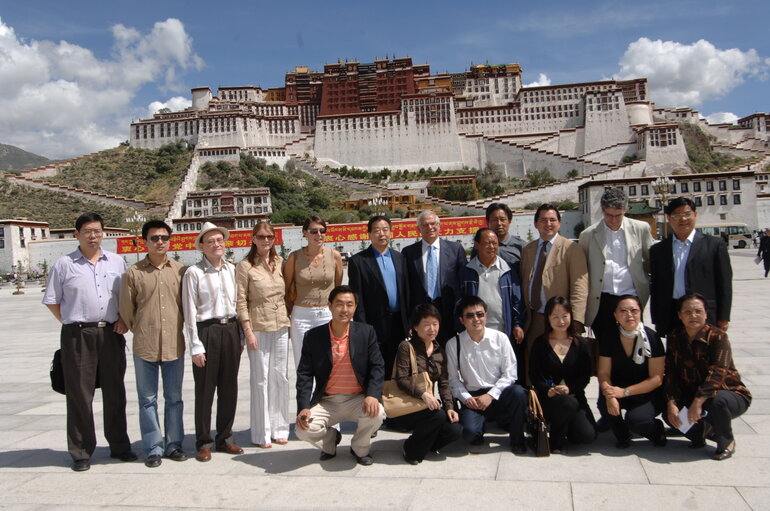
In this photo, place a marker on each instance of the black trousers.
(84, 350)
(431, 430)
(220, 375)
(640, 417)
(390, 339)
(605, 316)
(507, 410)
(568, 419)
(725, 406)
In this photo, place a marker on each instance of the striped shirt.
(342, 379)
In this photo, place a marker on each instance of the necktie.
(537, 282)
(431, 274)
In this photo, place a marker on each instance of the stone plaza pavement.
(35, 467)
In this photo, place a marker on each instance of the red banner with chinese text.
(237, 239)
(456, 226)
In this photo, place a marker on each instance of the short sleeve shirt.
(624, 371)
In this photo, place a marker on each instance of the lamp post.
(135, 223)
(664, 186)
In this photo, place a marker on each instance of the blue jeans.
(147, 389)
(508, 410)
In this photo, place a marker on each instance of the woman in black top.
(437, 426)
(630, 371)
(560, 368)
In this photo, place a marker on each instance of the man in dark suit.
(434, 266)
(344, 360)
(689, 262)
(378, 275)
(764, 250)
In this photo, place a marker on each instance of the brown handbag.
(537, 426)
(397, 402)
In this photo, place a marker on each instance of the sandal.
(281, 441)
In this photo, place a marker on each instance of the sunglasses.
(322, 230)
(160, 237)
(263, 237)
(478, 314)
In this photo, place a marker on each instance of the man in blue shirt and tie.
(378, 275)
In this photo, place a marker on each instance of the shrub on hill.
(58, 209)
(129, 172)
(294, 194)
(702, 157)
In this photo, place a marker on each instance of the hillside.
(294, 195)
(58, 209)
(702, 157)
(134, 173)
(13, 159)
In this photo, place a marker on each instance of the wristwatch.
(626, 393)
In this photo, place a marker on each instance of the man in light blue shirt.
(378, 275)
(82, 293)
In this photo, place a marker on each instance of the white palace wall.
(395, 141)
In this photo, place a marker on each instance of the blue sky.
(74, 77)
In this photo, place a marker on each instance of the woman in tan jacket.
(262, 314)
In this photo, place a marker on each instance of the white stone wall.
(606, 121)
(395, 143)
(763, 212)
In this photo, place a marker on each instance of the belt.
(97, 324)
(218, 321)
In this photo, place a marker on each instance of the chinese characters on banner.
(457, 226)
(237, 239)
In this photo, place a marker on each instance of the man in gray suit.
(618, 252)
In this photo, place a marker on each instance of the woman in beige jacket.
(262, 314)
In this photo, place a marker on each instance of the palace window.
(736, 199)
(723, 200)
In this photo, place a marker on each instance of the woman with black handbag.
(560, 368)
(437, 425)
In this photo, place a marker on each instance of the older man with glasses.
(214, 339)
(151, 306)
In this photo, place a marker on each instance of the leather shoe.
(362, 460)
(125, 456)
(152, 461)
(204, 454)
(409, 460)
(518, 448)
(177, 455)
(230, 449)
(325, 455)
(81, 465)
(725, 453)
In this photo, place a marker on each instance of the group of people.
(516, 314)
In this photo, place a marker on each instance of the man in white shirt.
(482, 375)
(214, 339)
(618, 252)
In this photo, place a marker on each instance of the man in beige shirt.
(151, 306)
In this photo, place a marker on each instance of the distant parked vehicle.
(346, 256)
(736, 235)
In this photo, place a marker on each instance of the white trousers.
(269, 378)
(302, 320)
(338, 408)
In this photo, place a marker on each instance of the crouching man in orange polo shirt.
(345, 361)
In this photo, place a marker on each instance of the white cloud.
(687, 75)
(542, 80)
(174, 104)
(60, 100)
(722, 118)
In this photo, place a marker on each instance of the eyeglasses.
(92, 232)
(264, 237)
(322, 230)
(215, 241)
(682, 216)
(477, 314)
(633, 312)
(693, 312)
(160, 237)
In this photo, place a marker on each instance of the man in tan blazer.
(618, 252)
(562, 273)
